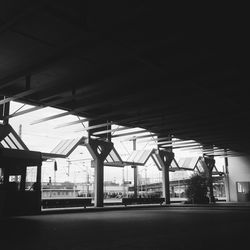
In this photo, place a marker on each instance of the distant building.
(237, 180)
(70, 190)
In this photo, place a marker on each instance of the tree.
(197, 189)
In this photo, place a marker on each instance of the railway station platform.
(222, 226)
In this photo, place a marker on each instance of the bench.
(130, 201)
(66, 202)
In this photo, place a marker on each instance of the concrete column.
(39, 187)
(135, 181)
(165, 184)
(99, 151)
(99, 177)
(210, 186)
(39, 177)
(210, 162)
(166, 158)
(23, 178)
(226, 181)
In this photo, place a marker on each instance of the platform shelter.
(17, 196)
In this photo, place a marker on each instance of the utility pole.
(20, 135)
(55, 169)
(88, 183)
(20, 131)
(135, 172)
(123, 182)
(226, 179)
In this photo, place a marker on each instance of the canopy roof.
(10, 139)
(172, 72)
(14, 151)
(113, 159)
(188, 163)
(65, 148)
(137, 157)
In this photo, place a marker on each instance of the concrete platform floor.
(133, 228)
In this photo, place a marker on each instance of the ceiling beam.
(94, 126)
(139, 137)
(81, 93)
(129, 133)
(73, 123)
(111, 130)
(23, 94)
(177, 144)
(117, 100)
(187, 146)
(32, 109)
(167, 142)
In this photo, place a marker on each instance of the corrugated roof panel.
(10, 142)
(132, 156)
(174, 165)
(138, 155)
(10, 139)
(145, 155)
(69, 145)
(114, 156)
(13, 138)
(5, 145)
(156, 161)
(188, 162)
(56, 149)
(109, 159)
(63, 145)
(201, 166)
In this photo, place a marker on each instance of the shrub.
(197, 189)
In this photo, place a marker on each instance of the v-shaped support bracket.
(210, 162)
(166, 157)
(98, 149)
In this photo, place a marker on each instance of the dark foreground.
(141, 228)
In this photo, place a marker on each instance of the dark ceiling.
(179, 70)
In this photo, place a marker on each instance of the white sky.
(44, 137)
